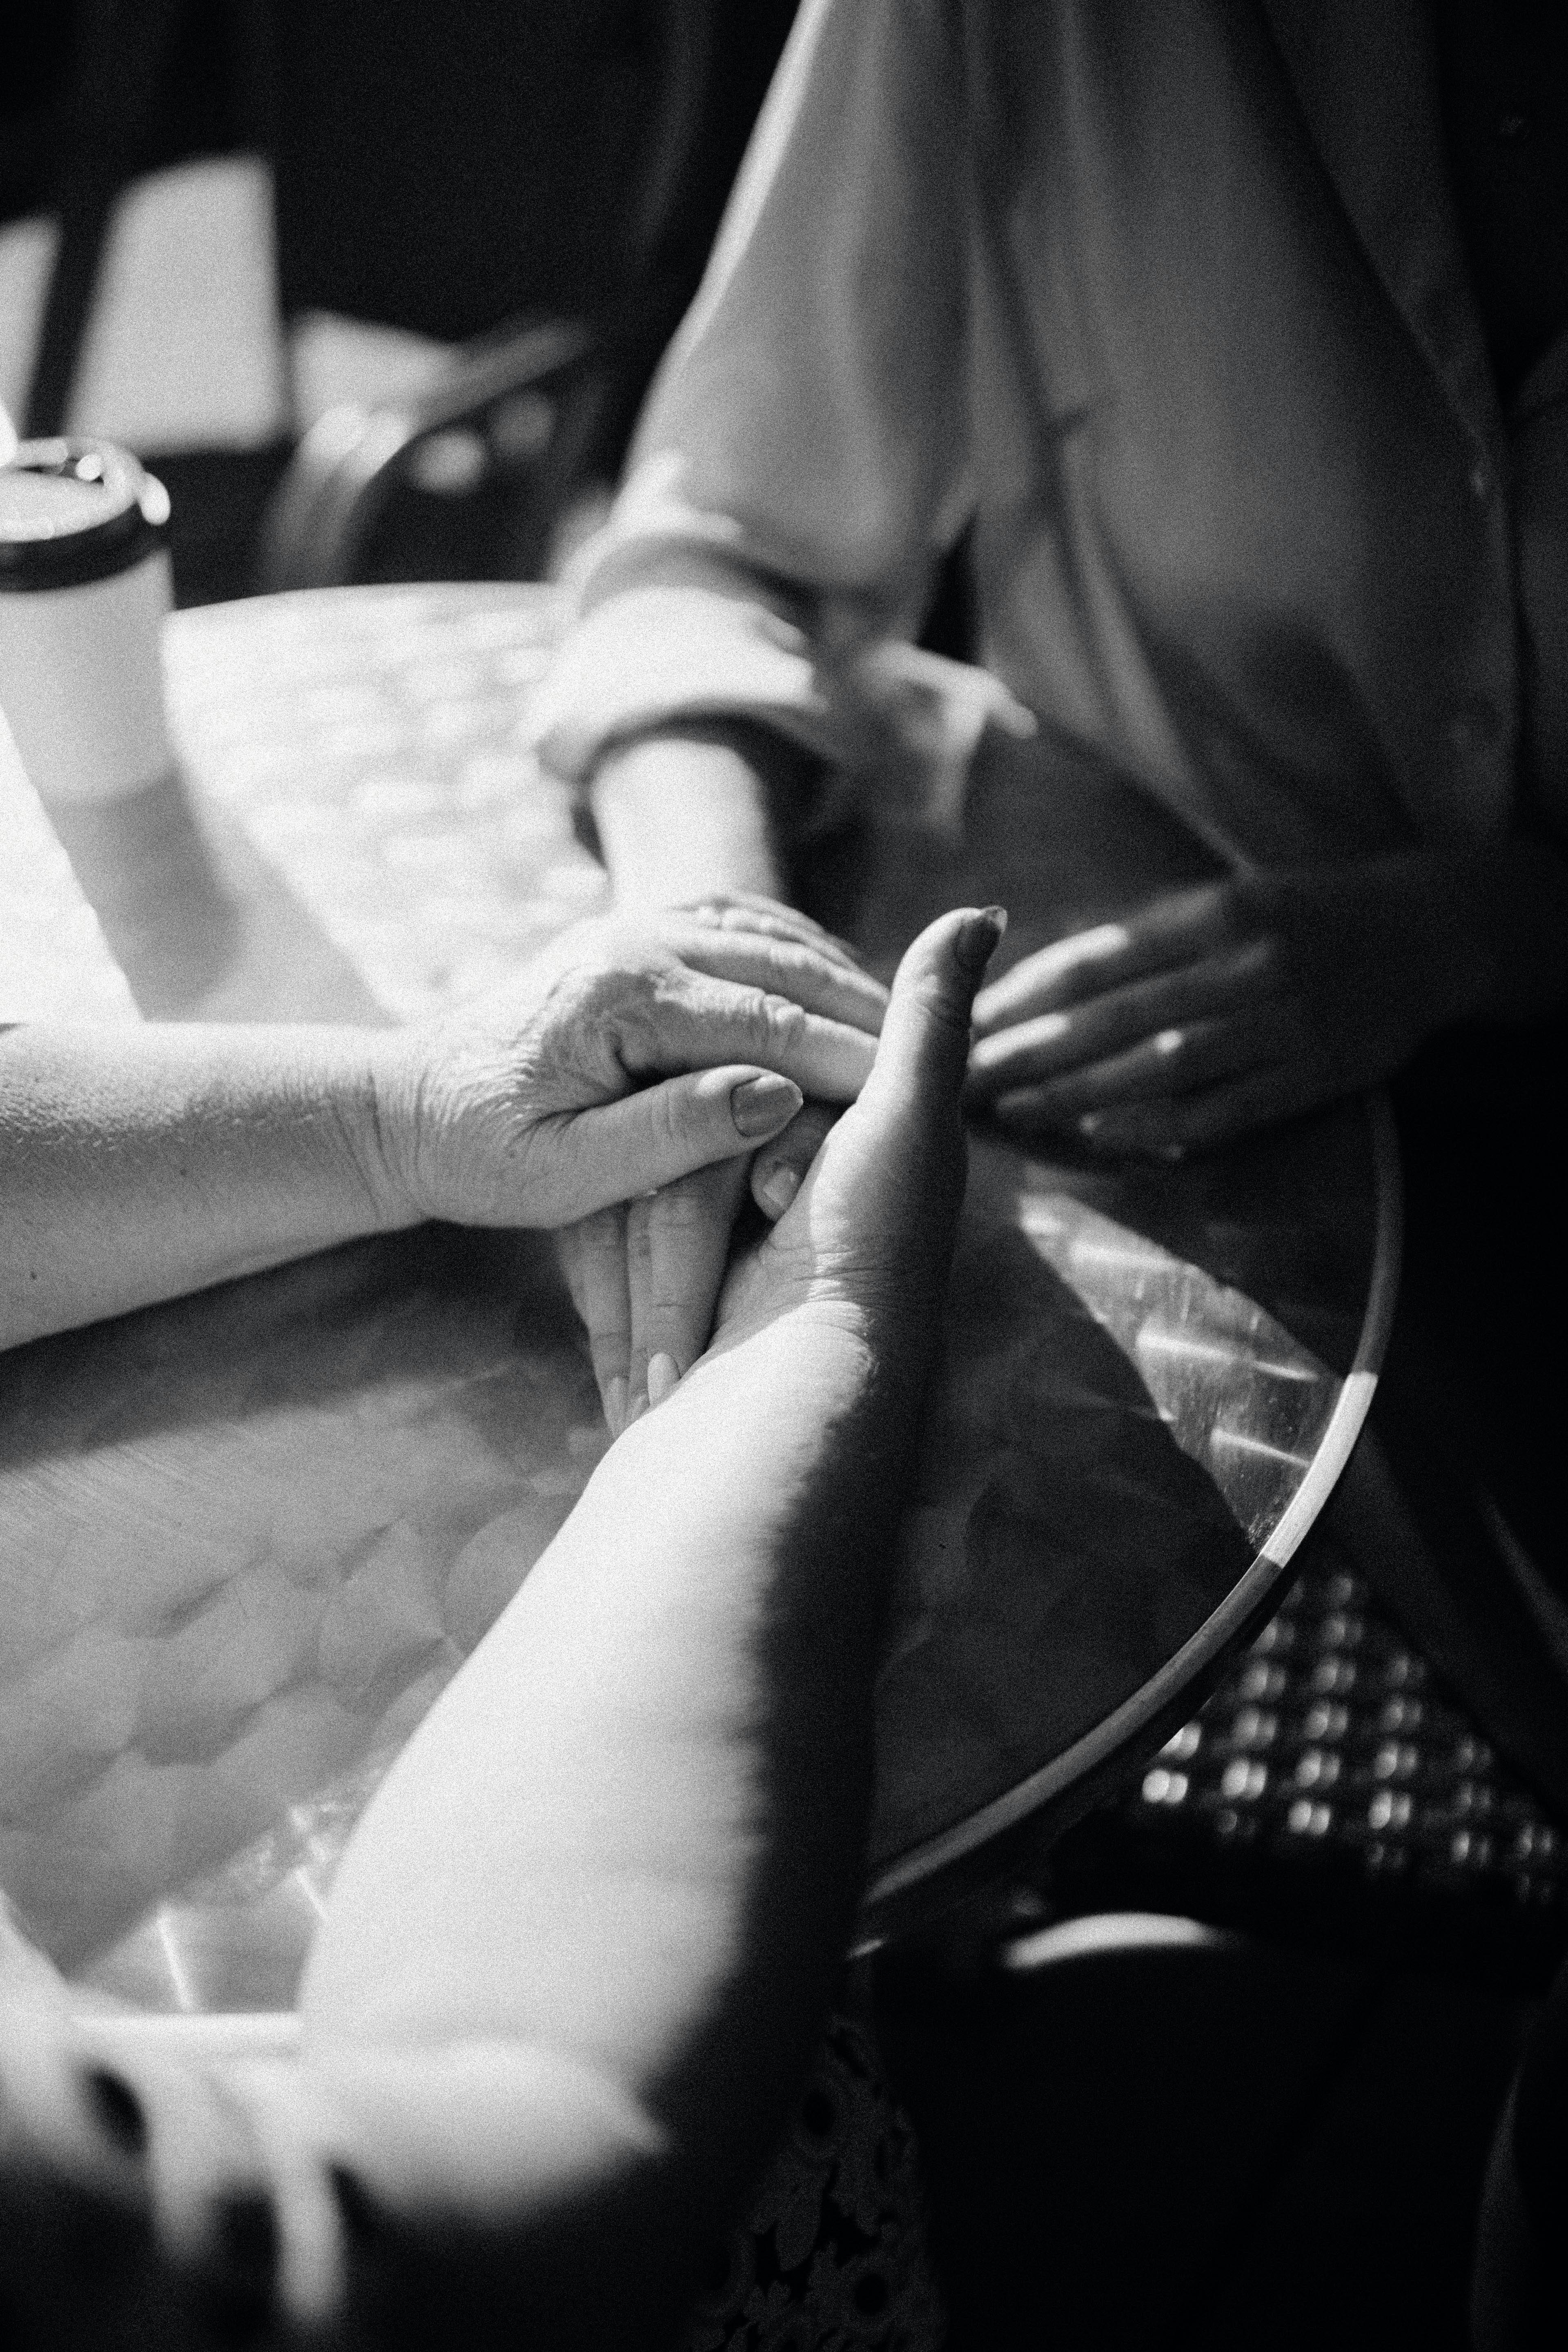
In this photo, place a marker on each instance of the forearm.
(136, 1164)
(580, 1943)
(700, 809)
(630, 1834)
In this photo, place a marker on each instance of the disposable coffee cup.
(85, 589)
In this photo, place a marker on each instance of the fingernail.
(978, 937)
(616, 1406)
(761, 1106)
(663, 1373)
(777, 1190)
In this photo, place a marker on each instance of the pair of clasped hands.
(1205, 1012)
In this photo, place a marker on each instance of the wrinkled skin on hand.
(1193, 1018)
(612, 1066)
(645, 1274)
(1210, 1011)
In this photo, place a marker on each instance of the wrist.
(378, 1114)
(799, 1434)
(681, 815)
(829, 1359)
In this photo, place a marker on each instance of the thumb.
(651, 1137)
(923, 1051)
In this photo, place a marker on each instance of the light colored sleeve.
(804, 456)
(55, 962)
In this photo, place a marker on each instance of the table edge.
(1243, 1607)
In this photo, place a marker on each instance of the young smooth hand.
(867, 1241)
(1213, 1010)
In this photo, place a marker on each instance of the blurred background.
(376, 287)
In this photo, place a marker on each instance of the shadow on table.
(1288, 1216)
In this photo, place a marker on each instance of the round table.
(247, 1537)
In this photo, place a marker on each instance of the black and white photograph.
(783, 1244)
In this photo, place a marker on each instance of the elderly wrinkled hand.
(645, 1274)
(624, 1058)
(1214, 1009)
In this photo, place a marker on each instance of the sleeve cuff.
(892, 720)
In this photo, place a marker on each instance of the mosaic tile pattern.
(375, 759)
(53, 957)
(245, 1538)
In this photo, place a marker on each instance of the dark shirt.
(1503, 69)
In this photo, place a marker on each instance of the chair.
(533, 188)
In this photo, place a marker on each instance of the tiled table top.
(245, 1538)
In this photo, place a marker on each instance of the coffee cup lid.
(71, 511)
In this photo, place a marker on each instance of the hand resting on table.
(645, 1274)
(1213, 1010)
(136, 1163)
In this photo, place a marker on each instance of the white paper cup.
(84, 588)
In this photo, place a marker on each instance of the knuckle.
(682, 1209)
(600, 1235)
(941, 1007)
(601, 992)
(792, 960)
(663, 1110)
(781, 1021)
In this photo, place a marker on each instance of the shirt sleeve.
(804, 456)
(55, 962)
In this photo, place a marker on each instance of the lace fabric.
(831, 2257)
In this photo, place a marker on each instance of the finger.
(162, 2141)
(893, 1170)
(596, 1254)
(306, 2192)
(73, 2179)
(1047, 1045)
(699, 1023)
(793, 968)
(210, 2189)
(660, 1134)
(1201, 1121)
(1180, 927)
(58, 2117)
(678, 1246)
(568, 1253)
(740, 910)
(780, 1167)
(1174, 1061)
(925, 1045)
